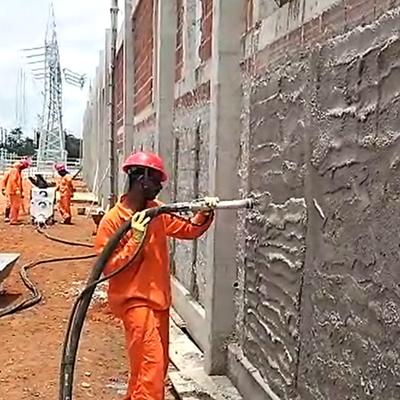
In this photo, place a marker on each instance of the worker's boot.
(7, 214)
(67, 221)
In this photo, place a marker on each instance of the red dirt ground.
(30, 341)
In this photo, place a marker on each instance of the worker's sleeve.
(122, 254)
(21, 186)
(5, 180)
(182, 228)
(70, 185)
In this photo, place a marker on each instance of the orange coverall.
(141, 294)
(26, 186)
(66, 189)
(14, 192)
(3, 188)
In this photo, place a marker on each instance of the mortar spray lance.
(81, 305)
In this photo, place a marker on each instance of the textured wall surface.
(277, 231)
(322, 303)
(144, 134)
(351, 322)
(191, 135)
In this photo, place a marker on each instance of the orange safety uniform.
(14, 192)
(27, 186)
(141, 294)
(3, 189)
(66, 189)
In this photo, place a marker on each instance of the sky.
(81, 28)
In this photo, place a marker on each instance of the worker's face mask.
(151, 187)
(150, 182)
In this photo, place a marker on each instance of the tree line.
(16, 142)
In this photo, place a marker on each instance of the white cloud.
(80, 28)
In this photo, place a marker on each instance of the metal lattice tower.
(44, 65)
(51, 137)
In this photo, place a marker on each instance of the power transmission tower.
(44, 62)
(46, 68)
(51, 140)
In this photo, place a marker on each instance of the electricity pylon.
(46, 68)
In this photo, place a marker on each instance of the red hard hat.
(59, 167)
(25, 163)
(146, 160)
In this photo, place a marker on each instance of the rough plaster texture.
(321, 289)
(191, 256)
(144, 135)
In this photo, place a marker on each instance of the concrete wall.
(320, 142)
(312, 270)
(95, 130)
(191, 137)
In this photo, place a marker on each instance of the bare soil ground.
(30, 341)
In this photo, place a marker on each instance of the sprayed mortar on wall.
(191, 256)
(321, 280)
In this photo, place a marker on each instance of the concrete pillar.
(128, 79)
(224, 142)
(165, 42)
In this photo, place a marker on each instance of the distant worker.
(141, 294)
(66, 188)
(7, 206)
(27, 188)
(14, 189)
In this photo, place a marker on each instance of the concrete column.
(165, 83)
(224, 141)
(128, 79)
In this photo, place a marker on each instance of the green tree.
(73, 145)
(17, 143)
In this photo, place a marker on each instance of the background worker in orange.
(66, 189)
(7, 206)
(141, 294)
(14, 189)
(27, 187)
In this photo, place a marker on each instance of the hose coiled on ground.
(36, 295)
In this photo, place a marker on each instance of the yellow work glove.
(211, 203)
(139, 224)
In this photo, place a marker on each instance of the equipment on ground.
(42, 206)
(81, 305)
(7, 262)
(40, 182)
(43, 199)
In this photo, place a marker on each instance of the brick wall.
(179, 40)
(143, 39)
(206, 29)
(338, 19)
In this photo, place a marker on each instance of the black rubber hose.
(81, 305)
(31, 286)
(36, 294)
(78, 314)
(64, 241)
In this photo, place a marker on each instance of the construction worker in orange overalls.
(14, 189)
(66, 188)
(27, 187)
(7, 200)
(141, 295)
